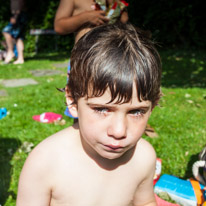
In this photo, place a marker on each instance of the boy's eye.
(137, 112)
(100, 109)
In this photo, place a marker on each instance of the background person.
(14, 32)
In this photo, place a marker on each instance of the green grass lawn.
(179, 120)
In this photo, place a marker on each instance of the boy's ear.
(71, 106)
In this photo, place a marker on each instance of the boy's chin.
(111, 155)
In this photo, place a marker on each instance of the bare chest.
(82, 5)
(90, 187)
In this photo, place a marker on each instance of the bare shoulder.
(64, 136)
(50, 149)
(61, 139)
(65, 9)
(145, 159)
(42, 165)
(145, 147)
(145, 155)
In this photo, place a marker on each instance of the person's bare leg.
(20, 49)
(10, 46)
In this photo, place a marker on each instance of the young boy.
(101, 160)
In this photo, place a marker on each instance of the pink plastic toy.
(47, 117)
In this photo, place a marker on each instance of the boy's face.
(110, 130)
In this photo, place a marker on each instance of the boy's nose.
(117, 127)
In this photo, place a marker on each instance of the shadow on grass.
(183, 69)
(8, 147)
(57, 56)
(188, 172)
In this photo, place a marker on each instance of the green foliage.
(172, 23)
(50, 14)
(29, 45)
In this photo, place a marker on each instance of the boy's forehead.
(106, 98)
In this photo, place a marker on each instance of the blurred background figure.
(80, 16)
(14, 32)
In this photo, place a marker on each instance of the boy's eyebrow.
(113, 106)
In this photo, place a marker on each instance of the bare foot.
(18, 62)
(9, 57)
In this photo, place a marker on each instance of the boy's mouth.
(113, 147)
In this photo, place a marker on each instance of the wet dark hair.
(115, 56)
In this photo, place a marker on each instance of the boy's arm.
(33, 188)
(66, 23)
(144, 195)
